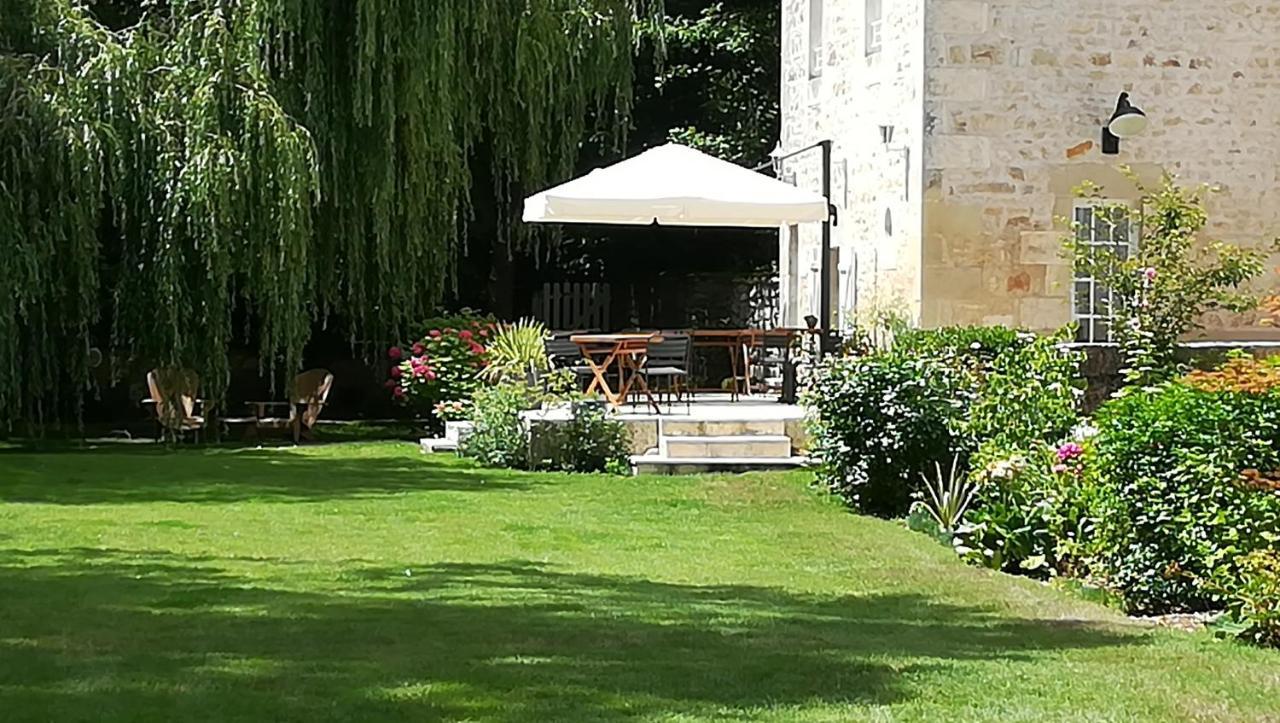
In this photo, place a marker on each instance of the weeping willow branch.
(285, 158)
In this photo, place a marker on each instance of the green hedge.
(1175, 512)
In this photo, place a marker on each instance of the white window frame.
(873, 13)
(817, 12)
(1094, 314)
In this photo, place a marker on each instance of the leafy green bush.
(883, 419)
(1032, 512)
(589, 441)
(498, 438)
(880, 421)
(1253, 598)
(1176, 508)
(1030, 392)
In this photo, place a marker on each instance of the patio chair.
(175, 403)
(666, 368)
(308, 394)
(564, 354)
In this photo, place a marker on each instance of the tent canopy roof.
(675, 185)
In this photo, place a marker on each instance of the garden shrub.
(441, 367)
(498, 437)
(883, 419)
(1032, 512)
(1181, 496)
(1031, 392)
(1252, 596)
(880, 421)
(590, 441)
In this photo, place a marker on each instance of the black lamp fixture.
(1127, 122)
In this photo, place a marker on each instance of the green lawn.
(367, 582)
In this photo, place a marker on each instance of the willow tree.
(191, 162)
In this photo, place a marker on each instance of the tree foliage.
(1160, 292)
(192, 164)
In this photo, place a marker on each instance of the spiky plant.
(517, 351)
(949, 496)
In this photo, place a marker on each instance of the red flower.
(477, 348)
(398, 393)
(430, 375)
(391, 384)
(394, 352)
(395, 372)
(418, 348)
(434, 333)
(464, 335)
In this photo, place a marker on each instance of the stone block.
(955, 151)
(963, 17)
(1043, 313)
(1041, 247)
(957, 84)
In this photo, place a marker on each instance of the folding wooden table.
(624, 352)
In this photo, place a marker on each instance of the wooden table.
(295, 416)
(736, 342)
(625, 352)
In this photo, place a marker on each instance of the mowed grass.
(368, 582)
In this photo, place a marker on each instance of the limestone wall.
(876, 188)
(1016, 94)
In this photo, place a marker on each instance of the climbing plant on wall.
(170, 168)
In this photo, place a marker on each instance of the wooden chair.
(175, 403)
(308, 394)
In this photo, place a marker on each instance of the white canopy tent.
(675, 185)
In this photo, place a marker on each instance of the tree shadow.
(108, 634)
(133, 474)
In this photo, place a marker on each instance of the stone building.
(961, 127)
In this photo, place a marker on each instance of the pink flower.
(430, 375)
(477, 348)
(391, 384)
(418, 348)
(1060, 469)
(464, 335)
(394, 352)
(1069, 451)
(434, 333)
(1149, 273)
(398, 393)
(395, 372)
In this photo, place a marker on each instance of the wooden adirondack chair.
(175, 403)
(307, 396)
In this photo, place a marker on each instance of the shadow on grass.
(128, 635)
(130, 474)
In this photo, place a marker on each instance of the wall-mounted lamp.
(1127, 122)
(886, 137)
(775, 157)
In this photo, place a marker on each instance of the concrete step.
(659, 465)
(722, 428)
(431, 445)
(750, 446)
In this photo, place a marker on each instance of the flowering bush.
(442, 367)
(1032, 513)
(882, 420)
(1161, 291)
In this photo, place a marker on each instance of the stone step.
(721, 428)
(651, 464)
(430, 445)
(750, 446)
